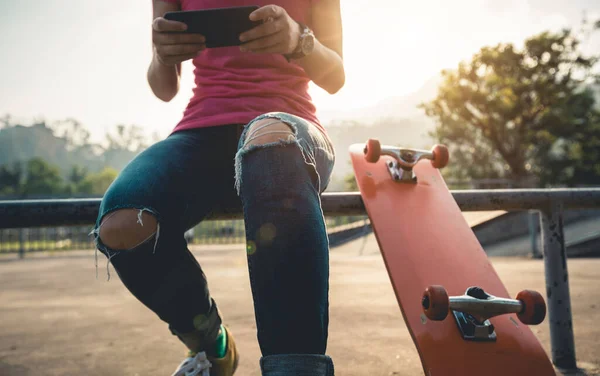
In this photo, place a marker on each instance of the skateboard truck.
(401, 166)
(473, 309)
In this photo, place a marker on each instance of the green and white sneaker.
(201, 364)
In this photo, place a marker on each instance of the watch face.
(308, 44)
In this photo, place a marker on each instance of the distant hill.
(394, 121)
(393, 131)
(20, 143)
(402, 107)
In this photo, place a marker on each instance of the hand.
(171, 45)
(279, 33)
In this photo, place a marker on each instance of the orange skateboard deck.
(425, 241)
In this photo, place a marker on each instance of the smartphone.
(220, 26)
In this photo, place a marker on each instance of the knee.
(270, 169)
(267, 131)
(126, 228)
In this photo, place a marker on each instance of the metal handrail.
(65, 212)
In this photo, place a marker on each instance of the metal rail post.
(21, 243)
(533, 223)
(557, 287)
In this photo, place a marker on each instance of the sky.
(88, 59)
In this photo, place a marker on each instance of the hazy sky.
(88, 59)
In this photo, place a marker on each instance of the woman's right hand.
(171, 45)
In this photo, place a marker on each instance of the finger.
(262, 43)
(276, 49)
(163, 25)
(177, 38)
(265, 12)
(172, 60)
(180, 49)
(261, 31)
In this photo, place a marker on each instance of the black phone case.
(220, 26)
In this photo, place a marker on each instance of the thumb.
(163, 25)
(265, 12)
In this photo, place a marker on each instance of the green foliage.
(41, 178)
(97, 184)
(10, 179)
(66, 143)
(527, 115)
(77, 174)
(350, 184)
(74, 179)
(59, 159)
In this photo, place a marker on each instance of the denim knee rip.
(110, 253)
(292, 139)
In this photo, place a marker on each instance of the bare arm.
(324, 65)
(163, 79)
(170, 47)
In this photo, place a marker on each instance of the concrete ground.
(56, 318)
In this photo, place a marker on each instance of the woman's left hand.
(279, 33)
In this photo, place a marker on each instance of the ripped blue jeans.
(180, 181)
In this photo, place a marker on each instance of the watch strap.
(297, 53)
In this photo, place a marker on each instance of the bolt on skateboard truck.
(473, 309)
(401, 167)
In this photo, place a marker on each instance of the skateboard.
(457, 310)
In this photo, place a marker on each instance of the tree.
(523, 114)
(10, 179)
(130, 138)
(77, 174)
(72, 131)
(350, 184)
(123, 145)
(75, 178)
(41, 178)
(98, 183)
(5, 121)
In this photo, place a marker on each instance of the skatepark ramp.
(343, 234)
(518, 233)
(586, 246)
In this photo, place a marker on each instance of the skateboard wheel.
(534, 307)
(435, 303)
(440, 156)
(372, 150)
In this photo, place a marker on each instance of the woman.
(250, 133)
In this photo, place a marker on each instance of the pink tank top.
(233, 87)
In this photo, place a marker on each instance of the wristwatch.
(306, 44)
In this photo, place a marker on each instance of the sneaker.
(201, 364)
